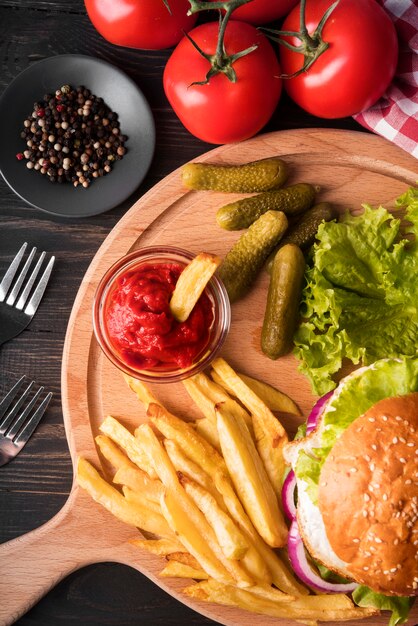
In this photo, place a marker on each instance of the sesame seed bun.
(368, 497)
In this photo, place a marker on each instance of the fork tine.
(8, 399)
(12, 414)
(40, 288)
(9, 275)
(22, 417)
(27, 430)
(19, 281)
(24, 295)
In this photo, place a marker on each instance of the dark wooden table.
(35, 485)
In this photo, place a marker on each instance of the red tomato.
(354, 72)
(145, 24)
(263, 11)
(223, 111)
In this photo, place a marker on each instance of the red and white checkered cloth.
(395, 115)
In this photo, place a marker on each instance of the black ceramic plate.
(119, 92)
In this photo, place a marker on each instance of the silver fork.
(19, 417)
(15, 310)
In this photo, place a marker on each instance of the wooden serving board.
(351, 168)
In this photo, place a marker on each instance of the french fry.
(113, 453)
(233, 543)
(207, 429)
(141, 500)
(270, 436)
(278, 572)
(187, 467)
(251, 560)
(182, 513)
(138, 480)
(180, 570)
(250, 478)
(301, 608)
(207, 394)
(192, 444)
(160, 547)
(184, 557)
(275, 400)
(159, 458)
(270, 593)
(144, 394)
(191, 537)
(191, 284)
(129, 512)
(121, 435)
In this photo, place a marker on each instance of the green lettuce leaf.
(359, 391)
(361, 293)
(400, 607)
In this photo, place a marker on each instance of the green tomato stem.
(201, 5)
(221, 61)
(311, 46)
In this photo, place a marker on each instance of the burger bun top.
(368, 497)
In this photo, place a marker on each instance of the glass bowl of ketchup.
(134, 326)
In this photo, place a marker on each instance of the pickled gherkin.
(242, 213)
(246, 258)
(284, 294)
(250, 177)
(303, 233)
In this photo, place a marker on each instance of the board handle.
(32, 564)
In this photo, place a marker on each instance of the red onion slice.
(288, 495)
(316, 412)
(304, 571)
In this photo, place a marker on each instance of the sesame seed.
(372, 467)
(402, 440)
(402, 460)
(366, 497)
(367, 458)
(385, 496)
(371, 419)
(366, 569)
(395, 440)
(374, 446)
(384, 418)
(378, 540)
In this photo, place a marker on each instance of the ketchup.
(141, 327)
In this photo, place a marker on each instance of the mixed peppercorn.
(72, 136)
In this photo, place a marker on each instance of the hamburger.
(356, 475)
